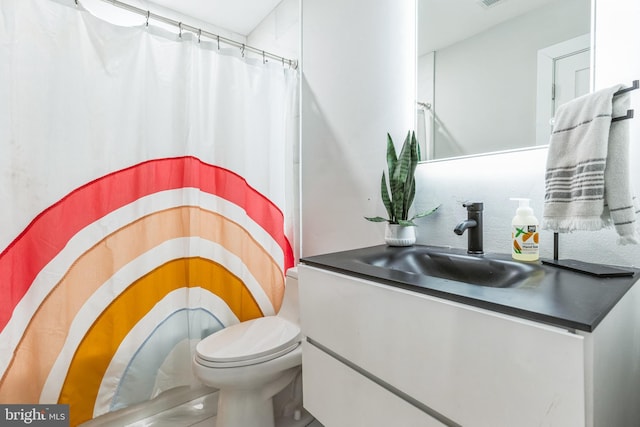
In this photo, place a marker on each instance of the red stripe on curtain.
(48, 233)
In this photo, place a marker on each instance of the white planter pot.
(398, 235)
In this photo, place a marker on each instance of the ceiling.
(239, 16)
(440, 22)
(444, 22)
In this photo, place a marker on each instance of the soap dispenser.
(524, 233)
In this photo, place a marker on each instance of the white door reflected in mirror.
(564, 73)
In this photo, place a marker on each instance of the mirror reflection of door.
(571, 77)
(564, 73)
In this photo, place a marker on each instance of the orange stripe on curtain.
(47, 331)
(92, 357)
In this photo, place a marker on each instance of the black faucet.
(474, 224)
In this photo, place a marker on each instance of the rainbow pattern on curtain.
(144, 180)
(92, 338)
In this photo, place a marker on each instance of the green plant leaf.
(415, 151)
(392, 158)
(403, 165)
(386, 200)
(376, 219)
(410, 193)
(398, 201)
(425, 213)
(410, 186)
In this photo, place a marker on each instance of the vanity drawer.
(338, 396)
(473, 366)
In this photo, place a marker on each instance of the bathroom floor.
(192, 414)
(197, 412)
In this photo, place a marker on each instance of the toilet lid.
(255, 340)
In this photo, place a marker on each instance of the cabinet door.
(338, 396)
(473, 366)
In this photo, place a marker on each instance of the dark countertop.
(555, 296)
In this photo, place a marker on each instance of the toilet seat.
(248, 343)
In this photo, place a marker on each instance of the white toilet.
(252, 361)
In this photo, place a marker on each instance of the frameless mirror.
(491, 72)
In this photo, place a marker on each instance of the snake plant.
(399, 194)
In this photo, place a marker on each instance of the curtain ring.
(199, 34)
(242, 50)
(148, 15)
(218, 42)
(180, 28)
(264, 60)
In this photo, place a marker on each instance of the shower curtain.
(144, 193)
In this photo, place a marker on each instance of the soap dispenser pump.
(524, 233)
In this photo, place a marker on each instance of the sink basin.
(445, 263)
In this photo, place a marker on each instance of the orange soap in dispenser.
(524, 233)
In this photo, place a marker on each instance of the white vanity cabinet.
(378, 355)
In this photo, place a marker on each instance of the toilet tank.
(290, 306)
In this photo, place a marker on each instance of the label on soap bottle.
(525, 240)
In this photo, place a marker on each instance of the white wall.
(494, 179)
(358, 82)
(617, 39)
(279, 32)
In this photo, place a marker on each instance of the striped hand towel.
(587, 180)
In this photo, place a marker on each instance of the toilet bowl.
(252, 361)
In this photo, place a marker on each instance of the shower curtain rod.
(200, 32)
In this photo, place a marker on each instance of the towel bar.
(629, 115)
(634, 85)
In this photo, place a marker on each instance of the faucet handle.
(473, 206)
